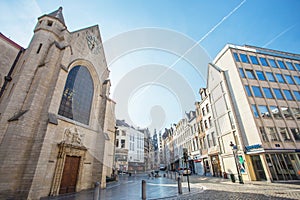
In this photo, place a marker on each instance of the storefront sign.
(254, 147)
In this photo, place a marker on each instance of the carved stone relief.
(72, 136)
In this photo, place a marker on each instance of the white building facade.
(210, 144)
(129, 156)
(255, 99)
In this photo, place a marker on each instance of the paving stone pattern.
(201, 188)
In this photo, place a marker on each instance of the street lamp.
(186, 157)
(234, 150)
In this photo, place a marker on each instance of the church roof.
(121, 123)
(10, 41)
(58, 14)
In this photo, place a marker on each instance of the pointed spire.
(58, 14)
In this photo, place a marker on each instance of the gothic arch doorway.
(70, 175)
(69, 165)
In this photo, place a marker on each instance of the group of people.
(153, 174)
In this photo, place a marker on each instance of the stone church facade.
(57, 123)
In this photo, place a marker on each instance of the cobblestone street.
(217, 188)
(201, 188)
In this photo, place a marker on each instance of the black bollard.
(179, 185)
(143, 189)
(96, 191)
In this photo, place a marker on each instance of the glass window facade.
(263, 61)
(288, 95)
(77, 96)
(268, 93)
(270, 76)
(297, 79)
(274, 88)
(273, 63)
(286, 112)
(281, 166)
(250, 74)
(297, 66)
(244, 58)
(275, 112)
(248, 91)
(296, 133)
(264, 112)
(254, 60)
(255, 113)
(281, 64)
(278, 93)
(273, 133)
(256, 91)
(263, 134)
(242, 73)
(289, 79)
(280, 78)
(260, 75)
(297, 95)
(290, 66)
(236, 57)
(284, 134)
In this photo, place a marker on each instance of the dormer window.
(49, 23)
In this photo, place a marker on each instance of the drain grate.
(280, 193)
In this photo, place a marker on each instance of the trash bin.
(232, 178)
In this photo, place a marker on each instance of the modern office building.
(255, 98)
(57, 121)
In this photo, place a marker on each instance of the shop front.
(283, 166)
(191, 166)
(216, 167)
(198, 164)
(273, 165)
(136, 167)
(206, 167)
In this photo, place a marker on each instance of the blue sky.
(210, 24)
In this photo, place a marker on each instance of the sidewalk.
(219, 188)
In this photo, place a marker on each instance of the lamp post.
(234, 150)
(186, 157)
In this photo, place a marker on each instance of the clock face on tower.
(93, 43)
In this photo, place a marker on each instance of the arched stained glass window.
(78, 94)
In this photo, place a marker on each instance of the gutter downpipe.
(8, 77)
